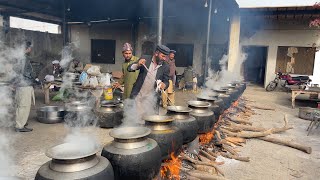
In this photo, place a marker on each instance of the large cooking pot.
(168, 137)
(204, 116)
(132, 154)
(214, 107)
(50, 114)
(110, 114)
(78, 113)
(187, 124)
(306, 113)
(232, 92)
(69, 161)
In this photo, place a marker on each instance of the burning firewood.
(288, 143)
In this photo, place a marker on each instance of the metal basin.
(207, 98)
(306, 113)
(157, 119)
(50, 114)
(129, 132)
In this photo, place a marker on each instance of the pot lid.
(203, 97)
(200, 104)
(181, 109)
(70, 151)
(127, 133)
(157, 118)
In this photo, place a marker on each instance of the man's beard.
(158, 60)
(127, 59)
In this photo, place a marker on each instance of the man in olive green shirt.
(128, 78)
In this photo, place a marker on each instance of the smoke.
(12, 60)
(219, 79)
(83, 142)
(134, 110)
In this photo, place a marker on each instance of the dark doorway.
(103, 51)
(255, 65)
(184, 55)
(148, 48)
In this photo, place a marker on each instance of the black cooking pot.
(204, 116)
(168, 136)
(110, 114)
(214, 107)
(68, 162)
(187, 124)
(132, 154)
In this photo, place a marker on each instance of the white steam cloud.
(216, 80)
(12, 60)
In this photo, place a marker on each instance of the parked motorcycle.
(286, 79)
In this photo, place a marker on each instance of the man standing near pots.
(24, 92)
(153, 79)
(128, 78)
(168, 97)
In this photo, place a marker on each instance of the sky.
(275, 3)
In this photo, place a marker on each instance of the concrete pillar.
(271, 64)
(234, 44)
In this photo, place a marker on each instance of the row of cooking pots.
(136, 152)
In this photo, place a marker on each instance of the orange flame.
(171, 169)
(236, 103)
(205, 138)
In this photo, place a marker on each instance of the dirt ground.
(267, 160)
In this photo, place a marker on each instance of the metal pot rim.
(201, 104)
(210, 98)
(59, 152)
(127, 133)
(157, 118)
(56, 108)
(181, 109)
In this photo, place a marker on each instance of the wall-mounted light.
(215, 10)
(206, 4)
(228, 19)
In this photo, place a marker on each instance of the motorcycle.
(287, 80)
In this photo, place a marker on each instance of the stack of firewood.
(231, 131)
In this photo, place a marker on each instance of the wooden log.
(246, 134)
(205, 168)
(207, 155)
(203, 159)
(211, 153)
(230, 150)
(203, 163)
(205, 176)
(236, 139)
(239, 121)
(262, 108)
(191, 177)
(230, 156)
(241, 127)
(288, 143)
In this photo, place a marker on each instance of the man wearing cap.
(168, 97)
(128, 78)
(153, 79)
(52, 69)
